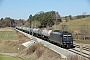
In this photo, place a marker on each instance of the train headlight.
(64, 42)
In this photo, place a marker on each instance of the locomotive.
(62, 38)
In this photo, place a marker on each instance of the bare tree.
(84, 31)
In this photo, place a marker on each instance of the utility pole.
(30, 21)
(56, 19)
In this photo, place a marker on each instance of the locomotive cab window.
(67, 36)
(64, 36)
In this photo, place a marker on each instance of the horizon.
(19, 9)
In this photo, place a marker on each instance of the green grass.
(5, 57)
(8, 35)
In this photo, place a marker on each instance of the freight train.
(62, 38)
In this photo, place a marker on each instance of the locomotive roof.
(62, 32)
(66, 32)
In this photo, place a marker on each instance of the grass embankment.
(38, 52)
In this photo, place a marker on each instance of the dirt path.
(10, 54)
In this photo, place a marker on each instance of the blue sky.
(23, 8)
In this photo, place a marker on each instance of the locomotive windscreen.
(67, 38)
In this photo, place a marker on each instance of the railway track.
(81, 51)
(84, 47)
(85, 56)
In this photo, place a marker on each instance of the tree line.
(43, 19)
(40, 19)
(9, 22)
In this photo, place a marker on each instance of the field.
(7, 34)
(5, 57)
(11, 40)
